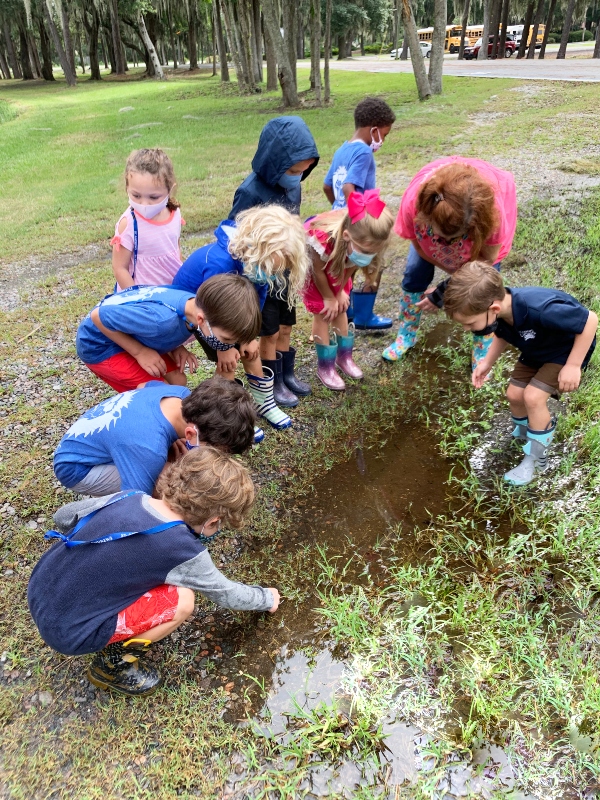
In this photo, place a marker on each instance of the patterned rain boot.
(298, 387)
(118, 667)
(409, 316)
(259, 434)
(481, 345)
(535, 460)
(261, 390)
(520, 429)
(344, 358)
(364, 318)
(326, 371)
(281, 393)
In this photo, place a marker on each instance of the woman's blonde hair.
(207, 483)
(271, 243)
(157, 163)
(369, 232)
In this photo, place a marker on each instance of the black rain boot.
(118, 667)
(295, 385)
(281, 393)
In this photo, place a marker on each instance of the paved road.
(549, 69)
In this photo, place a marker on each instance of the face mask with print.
(212, 340)
(149, 211)
(189, 445)
(375, 146)
(289, 181)
(361, 259)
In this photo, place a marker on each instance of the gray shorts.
(101, 480)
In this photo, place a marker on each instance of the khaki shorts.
(544, 378)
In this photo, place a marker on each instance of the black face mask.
(491, 328)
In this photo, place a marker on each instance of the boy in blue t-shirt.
(555, 334)
(353, 170)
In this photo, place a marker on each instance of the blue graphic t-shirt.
(352, 163)
(128, 430)
(545, 323)
(154, 315)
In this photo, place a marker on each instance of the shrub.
(575, 36)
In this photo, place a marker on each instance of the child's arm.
(121, 258)
(182, 357)
(330, 302)
(227, 360)
(329, 193)
(497, 347)
(148, 359)
(569, 377)
(347, 189)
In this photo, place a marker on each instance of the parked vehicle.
(425, 50)
(472, 51)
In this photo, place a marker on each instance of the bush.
(375, 48)
(552, 39)
(575, 36)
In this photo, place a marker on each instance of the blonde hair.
(369, 232)
(473, 289)
(156, 162)
(271, 243)
(207, 483)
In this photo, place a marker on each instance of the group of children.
(156, 459)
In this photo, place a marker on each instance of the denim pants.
(418, 272)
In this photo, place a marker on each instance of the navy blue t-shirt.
(545, 323)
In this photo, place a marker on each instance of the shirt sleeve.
(66, 517)
(564, 314)
(358, 169)
(201, 575)
(135, 319)
(124, 239)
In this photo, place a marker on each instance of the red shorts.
(123, 372)
(313, 300)
(153, 608)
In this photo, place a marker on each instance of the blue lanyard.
(135, 242)
(111, 537)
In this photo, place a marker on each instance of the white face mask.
(375, 145)
(149, 211)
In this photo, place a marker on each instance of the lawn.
(501, 646)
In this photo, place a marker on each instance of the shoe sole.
(369, 328)
(332, 388)
(111, 687)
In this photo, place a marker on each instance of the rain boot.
(261, 389)
(535, 460)
(298, 387)
(364, 318)
(409, 316)
(259, 434)
(283, 396)
(344, 358)
(118, 667)
(520, 430)
(326, 371)
(481, 345)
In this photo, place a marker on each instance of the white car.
(425, 50)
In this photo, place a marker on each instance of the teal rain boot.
(326, 371)
(344, 358)
(481, 345)
(520, 429)
(409, 316)
(535, 460)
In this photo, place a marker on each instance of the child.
(267, 244)
(555, 334)
(127, 591)
(341, 242)
(125, 441)
(146, 241)
(285, 156)
(353, 170)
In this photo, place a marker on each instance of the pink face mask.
(149, 211)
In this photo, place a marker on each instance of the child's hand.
(330, 309)
(182, 357)
(275, 605)
(176, 451)
(426, 305)
(150, 361)
(227, 360)
(249, 351)
(479, 376)
(569, 378)
(343, 302)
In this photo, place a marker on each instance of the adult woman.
(454, 210)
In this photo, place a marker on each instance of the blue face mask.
(189, 445)
(361, 259)
(290, 181)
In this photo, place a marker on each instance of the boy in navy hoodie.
(285, 156)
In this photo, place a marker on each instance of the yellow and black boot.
(118, 667)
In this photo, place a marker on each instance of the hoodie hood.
(283, 142)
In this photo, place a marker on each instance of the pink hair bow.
(361, 204)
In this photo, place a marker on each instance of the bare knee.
(176, 378)
(185, 606)
(515, 394)
(535, 398)
(285, 330)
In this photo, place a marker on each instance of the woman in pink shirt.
(454, 210)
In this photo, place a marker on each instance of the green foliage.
(575, 36)
(7, 111)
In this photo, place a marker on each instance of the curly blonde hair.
(271, 243)
(207, 483)
(369, 232)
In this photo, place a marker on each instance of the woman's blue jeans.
(418, 272)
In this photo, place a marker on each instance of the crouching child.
(555, 334)
(124, 570)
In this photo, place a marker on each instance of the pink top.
(454, 254)
(323, 244)
(159, 257)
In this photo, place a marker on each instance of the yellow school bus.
(473, 33)
(452, 40)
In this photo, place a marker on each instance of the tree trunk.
(80, 50)
(289, 35)
(505, 10)
(248, 53)
(549, 19)
(536, 24)
(4, 69)
(24, 52)
(149, 45)
(92, 26)
(105, 54)
(213, 36)
(404, 53)
(70, 77)
(526, 26)
(192, 44)
(285, 72)
(234, 45)
(464, 25)
(271, 62)
(396, 29)
(438, 40)
(483, 50)
(410, 32)
(564, 39)
(66, 30)
(315, 47)
(257, 40)
(327, 49)
(596, 53)
(12, 55)
(495, 26)
(216, 15)
(117, 44)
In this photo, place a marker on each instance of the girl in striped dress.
(146, 241)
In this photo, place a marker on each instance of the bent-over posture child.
(555, 334)
(123, 573)
(341, 242)
(124, 442)
(267, 244)
(146, 241)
